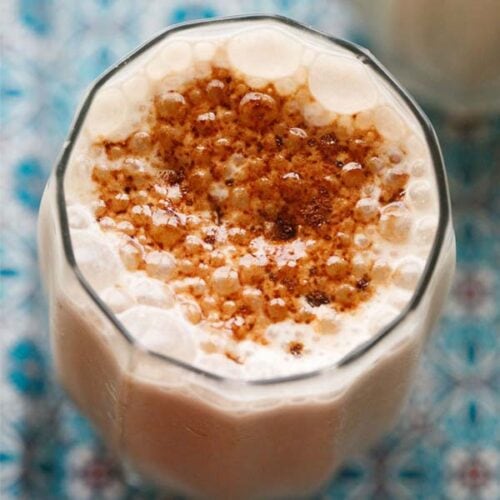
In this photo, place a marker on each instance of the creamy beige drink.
(248, 204)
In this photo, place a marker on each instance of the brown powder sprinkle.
(362, 284)
(295, 348)
(233, 357)
(317, 298)
(219, 167)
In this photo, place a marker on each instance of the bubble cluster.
(252, 206)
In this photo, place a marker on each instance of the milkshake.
(246, 243)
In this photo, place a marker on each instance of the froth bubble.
(364, 120)
(419, 194)
(361, 240)
(276, 309)
(361, 264)
(218, 191)
(173, 58)
(245, 349)
(204, 51)
(380, 317)
(107, 223)
(381, 270)
(300, 76)
(345, 121)
(136, 89)
(156, 330)
(252, 298)
(308, 57)
(327, 320)
(117, 299)
(192, 311)
(220, 59)
(415, 147)
(255, 82)
(79, 217)
(131, 253)
(203, 69)
(426, 229)
(316, 115)
(96, 259)
(388, 123)
(264, 53)
(395, 222)
(107, 114)
(366, 209)
(286, 86)
(408, 273)
(149, 291)
(342, 84)
(336, 266)
(225, 280)
(174, 81)
(400, 300)
(418, 168)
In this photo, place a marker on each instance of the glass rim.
(367, 58)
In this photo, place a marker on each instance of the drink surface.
(252, 203)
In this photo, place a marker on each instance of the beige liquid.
(193, 441)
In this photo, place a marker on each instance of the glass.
(445, 52)
(200, 434)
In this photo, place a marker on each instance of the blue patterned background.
(447, 442)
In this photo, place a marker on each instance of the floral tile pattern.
(447, 443)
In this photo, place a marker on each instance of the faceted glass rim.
(367, 58)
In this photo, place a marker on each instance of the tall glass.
(208, 436)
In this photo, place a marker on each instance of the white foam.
(395, 222)
(408, 272)
(117, 298)
(204, 51)
(225, 280)
(79, 217)
(425, 230)
(418, 168)
(149, 291)
(389, 123)
(157, 330)
(107, 115)
(419, 194)
(137, 89)
(315, 114)
(264, 53)
(96, 258)
(342, 84)
(174, 57)
(286, 86)
(327, 320)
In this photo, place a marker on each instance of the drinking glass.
(205, 435)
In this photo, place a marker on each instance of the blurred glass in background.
(447, 52)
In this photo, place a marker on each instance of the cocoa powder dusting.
(232, 167)
(295, 348)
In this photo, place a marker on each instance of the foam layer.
(264, 53)
(138, 246)
(342, 84)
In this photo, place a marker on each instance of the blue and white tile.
(446, 444)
